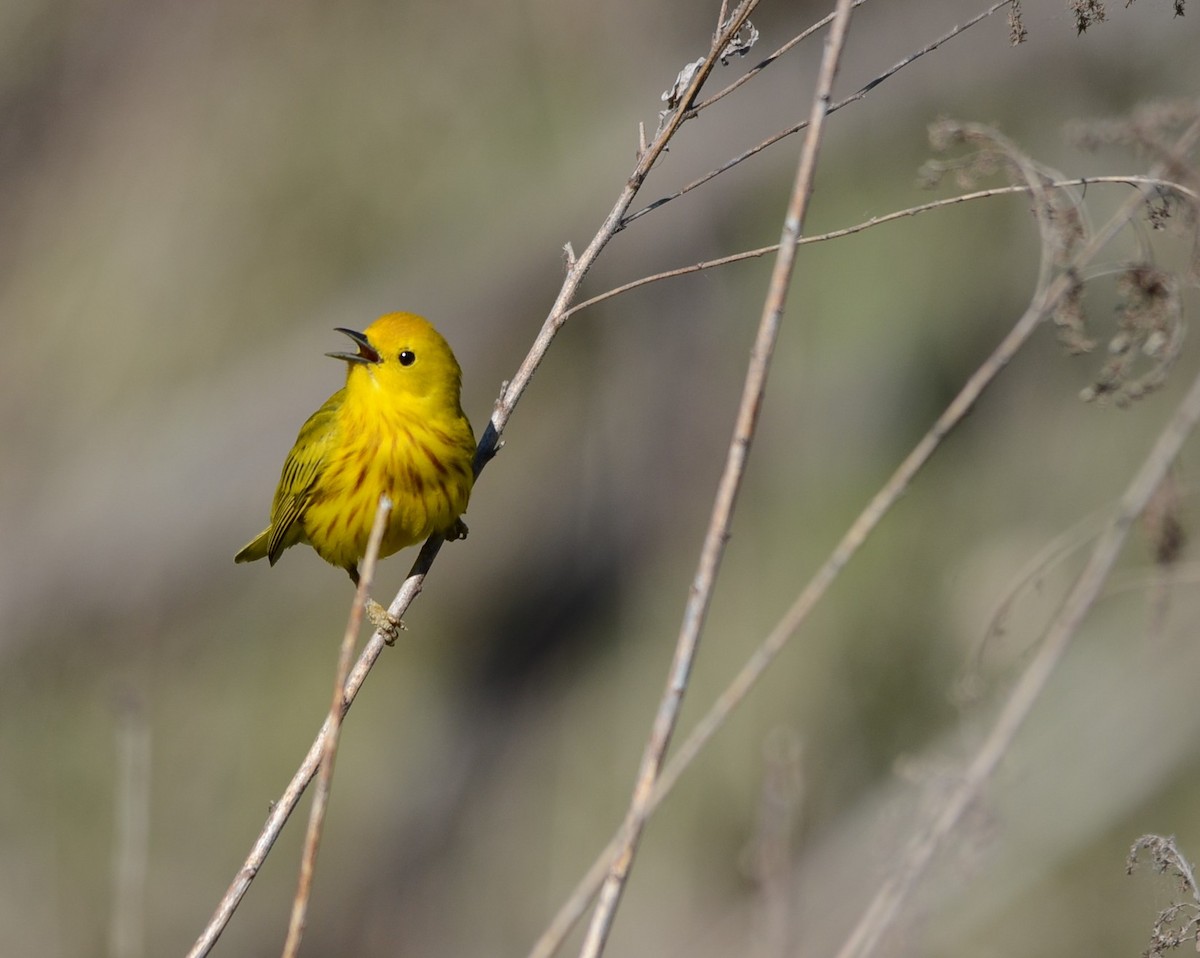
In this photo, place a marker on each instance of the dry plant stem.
(808, 598)
(1042, 306)
(879, 221)
(132, 841)
(579, 266)
(886, 906)
(282, 809)
(762, 65)
(333, 728)
(1029, 576)
(782, 134)
(718, 531)
(724, 11)
(488, 445)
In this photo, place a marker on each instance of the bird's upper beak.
(366, 352)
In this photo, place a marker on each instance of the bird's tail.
(256, 548)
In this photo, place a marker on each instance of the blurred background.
(193, 195)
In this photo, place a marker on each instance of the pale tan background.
(192, 195)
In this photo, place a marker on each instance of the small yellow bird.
(396, 428)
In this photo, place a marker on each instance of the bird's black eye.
(408, 357)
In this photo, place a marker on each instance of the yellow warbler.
(395, 428)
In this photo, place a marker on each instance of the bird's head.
(403, 355)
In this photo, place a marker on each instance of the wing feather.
(301, 471)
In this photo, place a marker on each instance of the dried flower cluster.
(1149, 316)
(1178, 922)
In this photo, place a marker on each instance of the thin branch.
(886, 906)
(878, 221)
(1053, 554)
(718, 531)
(758, 68)
(131, 845)
(489, 444)
(1042, 306)
(579, 267)
(805, 602)
(282, 809)
(333, 725)
(782, 134)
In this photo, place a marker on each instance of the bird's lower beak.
(366, 352)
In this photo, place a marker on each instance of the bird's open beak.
(366, 352)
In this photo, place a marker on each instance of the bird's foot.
(387, 624)
(457, 531)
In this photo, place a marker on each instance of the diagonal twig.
(283, 807)
(774, 57)
(874, 221)
(713, 549)
(783, 134)
(559, 312)
(333, 725)
(885, 907)
(489, 444)
(1043, 304)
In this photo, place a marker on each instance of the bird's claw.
(387, 624)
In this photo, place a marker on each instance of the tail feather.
(256, 548)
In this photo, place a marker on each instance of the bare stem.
(489, 443)
(1174, 187)
(886, 906)
(718, 531)
(762, 65)
(783, 134)
(333, 726)
(889, 900)
(132, 845)
(1044, 302)
(579, 266)
(282, 809)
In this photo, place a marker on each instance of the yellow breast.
(421, 460)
